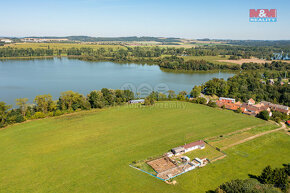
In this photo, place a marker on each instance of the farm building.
(136, 101)
(194, 145)
(188, 147)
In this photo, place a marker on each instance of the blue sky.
(221, 19)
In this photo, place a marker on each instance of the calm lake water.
(28, 78)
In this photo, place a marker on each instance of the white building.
(6, 40)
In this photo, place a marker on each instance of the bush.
(20, 119)
(58, 113)
(149, 101)
(264, 115)
(201, 100)
(38, 115)
(239, 110)
(212, 104)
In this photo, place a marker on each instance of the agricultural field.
(91, 151)
(213, 59)
(241, 61)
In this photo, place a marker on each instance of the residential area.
(251, 107)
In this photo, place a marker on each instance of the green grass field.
(90, 151)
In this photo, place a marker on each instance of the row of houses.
(251, 108)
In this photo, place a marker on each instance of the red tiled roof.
(189, 145)
(251, 101)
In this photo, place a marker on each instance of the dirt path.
(254, 136)
(235, 132)
(219, 158)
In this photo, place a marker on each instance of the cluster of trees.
(252, 50)
(270, 180)
(176, 63)
(68, 102)
(244, 86)
(275, 65)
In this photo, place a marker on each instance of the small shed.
(178, 150)
(136, 101)
(185, 158)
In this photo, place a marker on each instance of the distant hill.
(121, 39)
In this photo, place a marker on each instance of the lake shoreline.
(29, 78)
(85, 58)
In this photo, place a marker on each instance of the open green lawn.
(90, 151)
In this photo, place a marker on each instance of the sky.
(215, 19)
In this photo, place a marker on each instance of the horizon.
(126, 18)
(216, 39)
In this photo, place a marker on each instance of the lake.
(28, 78)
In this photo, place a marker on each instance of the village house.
(255, 109)
(277, 107)
(251, 101)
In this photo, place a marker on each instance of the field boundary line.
(254, 136)
(146, 172)
(237, 131)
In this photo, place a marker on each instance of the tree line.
(270, 180)
(246, 85)
(69, 101)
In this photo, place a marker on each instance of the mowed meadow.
(90, 151)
